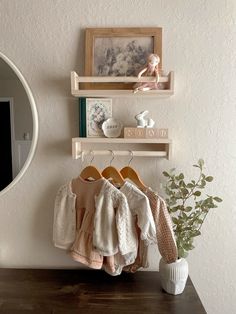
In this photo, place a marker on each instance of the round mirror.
(18, 124)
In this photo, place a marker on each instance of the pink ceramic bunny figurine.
(150, 70)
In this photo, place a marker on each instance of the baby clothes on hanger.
(85, 196)
(98, 224)
(165, 234)
(142, 216)
(64, 222)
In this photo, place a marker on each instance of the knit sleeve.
(165, 234)
(64, 224)
(145, 220)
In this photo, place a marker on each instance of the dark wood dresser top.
(89, 291)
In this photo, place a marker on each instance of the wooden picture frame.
(119, 52)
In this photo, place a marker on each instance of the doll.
(150, 70)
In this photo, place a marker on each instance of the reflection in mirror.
(17, 124)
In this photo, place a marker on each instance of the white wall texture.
(45, 40)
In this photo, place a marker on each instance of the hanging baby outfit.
(64, 224)
(75, 205)
(142, 217)
(164, 232)
(102, 226)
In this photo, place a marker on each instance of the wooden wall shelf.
(121, 147)
(78, 91)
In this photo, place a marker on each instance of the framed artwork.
(119, 52)
(97, 111)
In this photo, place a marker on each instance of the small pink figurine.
(150, 70)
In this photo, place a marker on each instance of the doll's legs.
(143, 87)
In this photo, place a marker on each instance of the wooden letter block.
(145, 133)
(151, 133)
(129, 132)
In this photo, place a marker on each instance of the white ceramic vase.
(174, 275)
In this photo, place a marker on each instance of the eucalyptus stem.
(188, 220)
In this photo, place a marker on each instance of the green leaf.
(188, 246)
(190, 185)
(184, 216)
(181, 176)
(197, 193)
(184, 191)
(174, 209)
(175, 220)
(202, 184)
(195, 233)
(173, 185)
(199, 221)
(209, 178)
(218, 199)
(201, 163)
(188, 209)
(182, 253)
(166, 174)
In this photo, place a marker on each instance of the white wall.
(46, 41)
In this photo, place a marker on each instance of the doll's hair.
(153, 55)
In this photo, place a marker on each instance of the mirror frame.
(35, 124)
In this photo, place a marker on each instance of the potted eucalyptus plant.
(188, 208)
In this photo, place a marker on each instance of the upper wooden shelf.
(79, 91)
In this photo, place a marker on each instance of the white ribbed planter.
(174, 275)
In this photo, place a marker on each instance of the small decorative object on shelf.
(151, 69)
(188, 209)
(142, 122)
(112, 127)
(145, 133)
(97, 111)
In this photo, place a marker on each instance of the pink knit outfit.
(90, 245)
(164, 232)
(82, 249)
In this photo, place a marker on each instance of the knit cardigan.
(116, 219)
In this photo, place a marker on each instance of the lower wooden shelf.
(121, 147)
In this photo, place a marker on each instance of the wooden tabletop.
(89, 291)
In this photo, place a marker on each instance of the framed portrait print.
(119, 52)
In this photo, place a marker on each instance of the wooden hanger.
(114, 174)
(111, 172)
(90, 172)
(129, 173)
